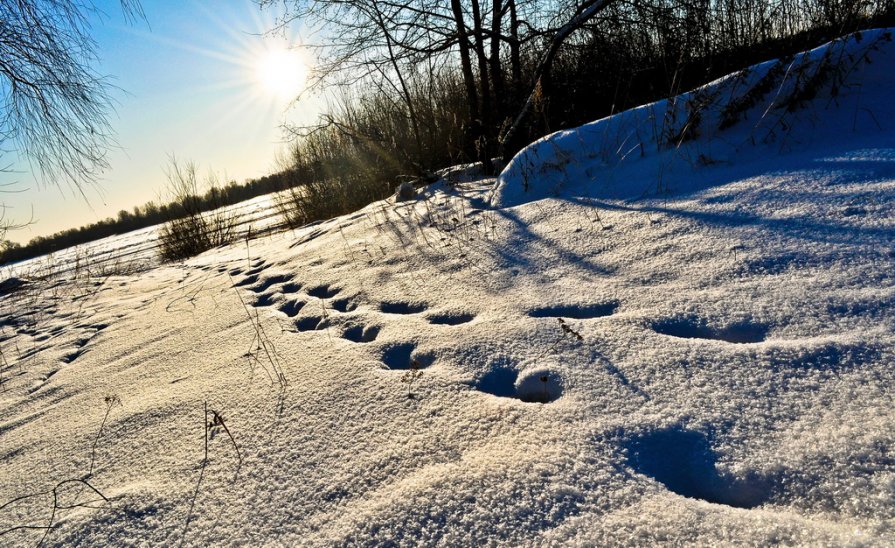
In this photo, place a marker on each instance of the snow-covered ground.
(138, 250)
(637, 334)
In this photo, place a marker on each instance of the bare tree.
(385, 43)
(55, 107)
(584, 13)
(528, 67)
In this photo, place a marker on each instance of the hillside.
(673, 325)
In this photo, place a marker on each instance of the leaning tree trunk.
(509, 142)
(405, 92)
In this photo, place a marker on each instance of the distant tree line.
(150, 214)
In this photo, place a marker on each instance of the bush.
(328, 198)
(191, 229)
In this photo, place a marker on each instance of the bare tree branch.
(55, 107)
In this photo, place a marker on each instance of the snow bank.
(789, 106)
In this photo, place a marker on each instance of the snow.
(771, 110)
(717, 355)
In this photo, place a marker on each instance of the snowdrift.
(708, 364)
(839, 91)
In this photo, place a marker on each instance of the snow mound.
(785, 106)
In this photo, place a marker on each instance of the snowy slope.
(738, 124)
(711, 364)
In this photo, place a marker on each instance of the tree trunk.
(485, 144)
(411, 111)
(497, 84)
(515, 55)
(472, 95)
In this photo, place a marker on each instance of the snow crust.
(718, 357)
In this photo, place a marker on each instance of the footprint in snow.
(403, 356)
(403, 307)
(499, 381)
(323, 291)
(576, 311)
(696, 328)
(255, 270)
(343, 305)
(292, 308)
(72, 356)
(361, 333)
(290, 287)
(269, 281)
(450, 318)
(538, 385)
(311, 323)
(684, 462)
(96, 326)
(248, 280)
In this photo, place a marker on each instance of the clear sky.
(198, 81)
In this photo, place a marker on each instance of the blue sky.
(189, 88)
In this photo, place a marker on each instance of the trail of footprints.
(318, 307)
(89, 331)
(92, 330)
(27, 333)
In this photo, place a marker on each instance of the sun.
(281, 72)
